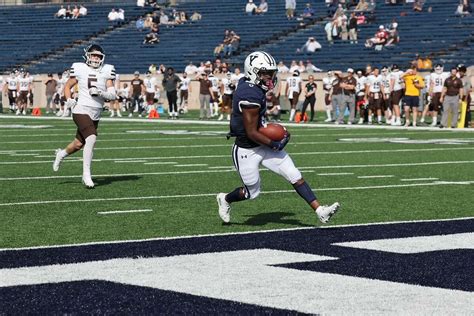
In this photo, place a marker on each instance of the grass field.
(169, 173)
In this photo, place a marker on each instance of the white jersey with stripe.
(150, 84)
(360, 87)
(293, 84)
(12, 83)
(398, 82)
(24, 84)
(184, 83)
(374, 83)
(214, 83)
(437, 81)
(88, 77)
(226, 82)
(386, 83)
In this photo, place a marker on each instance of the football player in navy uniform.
(95, 81)
(253, 148)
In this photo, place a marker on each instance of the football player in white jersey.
(436, 84)
(23, 89)
(294, 87)
(30, 95)
(184, 91)
(374, 93)
(227, 90)
(397, 85)
(327, 87)
(96, 84)
(151, 91)
(387, 102)
(215, 88)
(115, 106)
(10, 90)
(361, 104)
(237, 76)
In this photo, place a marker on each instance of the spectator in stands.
(329, 29)
(463, 8)
(121, 14)
(140, 24)
(308, 11)
(75, 12)
(151, 38)
(393, 35)
(51, 85)
(250, 7)
(339, 12)
(418, 5)
(196, 16)
(233, 45)
(301, 66)
(262, 7)
(362, 6)
(310, 68)
(82, 10)
(290, 6)
(282, 68)
(310, 47)
(191, 69)
(141, 3)
(68, 12)
(294, 66)
(380, 38)
(61, 13)
(371, 6)
(176, 17)
(352, 27)
(113, 15)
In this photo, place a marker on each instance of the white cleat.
(224, 207)
(87, 181)
(57, 161)
(325, 212)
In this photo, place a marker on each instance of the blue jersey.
(247, 95)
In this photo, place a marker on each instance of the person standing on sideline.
(170, 85)
(293, 90)
(137, 90)
(413, 85)
(452, 93)
(348, 85)
(310, 97)
(184, 91)
(253, 148)
(205, 92)
(96, 84)
(50, 91)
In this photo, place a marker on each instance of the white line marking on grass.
(161, 163)
(125, 211)
(419, 179)
(129, 161)
(193, 165)
(266, 231)
(335, 174)
(307, 169)
(221, 167)
(32, 154)
(182, 196)
(376, 176)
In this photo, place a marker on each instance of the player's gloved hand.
(94, 92)
(70, 103)
(277, 146)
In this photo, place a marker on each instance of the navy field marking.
(397, 268)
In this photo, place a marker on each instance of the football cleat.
(87, 181)
(325, 212)
(224, 207)
(57, 161)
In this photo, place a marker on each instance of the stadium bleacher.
(33, 38)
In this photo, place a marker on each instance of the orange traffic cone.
(153, 114)
(36, 111)
(298, 117)
(305, 117)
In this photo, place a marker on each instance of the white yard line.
(161, 163)
(96, 243)
(183, 196)
(336, 174)
(125, 211)
(376, 176)
(307, 169)
(130, 161)
(221, 167)
(193, 165)
(419, 179)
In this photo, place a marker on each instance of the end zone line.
(266, 231)
(125, 211)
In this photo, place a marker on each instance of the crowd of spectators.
(68, 13)
(252, 9)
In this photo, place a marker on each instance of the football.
(273, 131)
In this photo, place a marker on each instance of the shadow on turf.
(101, 181)
(272, 217)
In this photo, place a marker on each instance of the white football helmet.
(257, 64)
(94, 49)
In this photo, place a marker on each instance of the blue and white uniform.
(247, 155)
